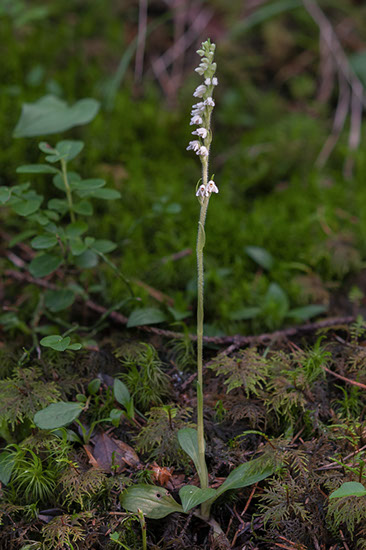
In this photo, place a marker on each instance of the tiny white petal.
(202, 132)
(208, 81)
(194, 145)
(202, 151)
(199, 105)
(201, 191)
(200, 91)
(211, 187)
(209, 101)
(196, 119)
(215, 81)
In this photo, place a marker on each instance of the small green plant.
(147, 382)
(156, 502)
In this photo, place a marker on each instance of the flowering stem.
(200, 310)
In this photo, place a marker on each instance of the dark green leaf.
(349, 489)
(60, 205)
(84, 208)
(146, 316)
(121, 393)
(51, 115)
(245, 313)
(192, 496)
(37, 169)
(93, 386)
(260, 256)
(86, 259)
(155, 502)
(76, 229)
(306, 312)
(69, 149)
(44, 265)
(88, 185)
(73, 179)
(7, 463)
(4, 194)
(58, 300)
(77, 246)
(106, 194)
(187, 438)
(27, 205)
(57, 415)
(104, 246)
(246, 474)
(43, 242)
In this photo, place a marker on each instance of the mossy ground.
(311, 221)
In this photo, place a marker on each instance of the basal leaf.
(57, 415)
(192, 496)
(260, 256)
(58, 300)
(187, 438)
(155, 502)
(246, 474)
(306, 312)
(7, 462)
(349, 489)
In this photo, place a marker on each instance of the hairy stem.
(200, 312)
(68, 189)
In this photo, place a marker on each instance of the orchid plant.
(156, 502)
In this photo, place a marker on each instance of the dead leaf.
(110, 453)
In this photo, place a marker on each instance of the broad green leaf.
(260, 256)
(86, 259)
(44, 265)
(349, 489)
(146, 316)
(246, 474)
(88, 185)
(306, 312)
(187, 438)
(37, 169)
(58, 300)
(106, 194)
(93, 386)
(4, 194)
(77, 246)
(69, 149)
(245, 313)
(73, 179)
(57, 415)
(60, 205)
(26, 205)
(192, 496)
(76, 229)
(50, 115)
(104, 246)
(7, 462)
(22, 237)
(43, 242)
(121, 393)
(155, 502)
(56, 342)
(84, 208)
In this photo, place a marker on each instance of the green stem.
(200, 315)
(68, 190)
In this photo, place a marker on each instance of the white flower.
(211, 187)
(201, 191)
(209, 101)
(202, 132)
(200, 91)
(202, 151)
(196, 119)
(200, 105)
(208, 81)
(194, 145)
(215, 81)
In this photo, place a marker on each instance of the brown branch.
(348, 380)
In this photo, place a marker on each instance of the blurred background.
(286, 235)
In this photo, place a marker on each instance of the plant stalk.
(68, 190)
(200, 314)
